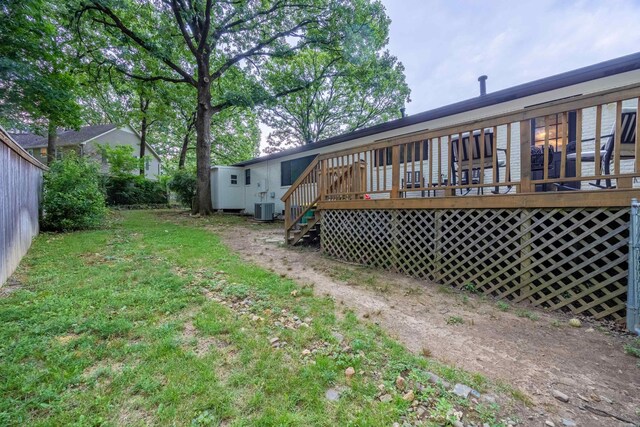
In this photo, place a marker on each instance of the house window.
(247, 177)
(234, 179)
(292, 169)
(412, 151)
(147, 164)
(538, 127)
(43, 152)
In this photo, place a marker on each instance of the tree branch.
(117, 23)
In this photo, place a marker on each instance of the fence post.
(525, 156)
(633, 294)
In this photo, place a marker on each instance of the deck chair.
(413, 180)
(627, 146)
(537, 163)
(474, 159)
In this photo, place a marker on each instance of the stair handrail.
(289, 220)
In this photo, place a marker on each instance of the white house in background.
(266, 179)
(85, 143)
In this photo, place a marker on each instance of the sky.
(446, 45)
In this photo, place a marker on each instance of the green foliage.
(133, 190)
(39, 89)
(470, 287)
(121, 159)
(72, 199)
(345, 96)
(633, 348)
(183, 183)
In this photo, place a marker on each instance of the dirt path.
(529, 349)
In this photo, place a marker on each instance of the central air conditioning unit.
(264, 211)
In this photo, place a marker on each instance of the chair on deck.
(413, 180)
(473, 162)
(627, 146)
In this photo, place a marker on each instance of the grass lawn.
(152, 322)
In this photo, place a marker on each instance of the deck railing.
(445, 166)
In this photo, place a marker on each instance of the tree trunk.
(202, 203)
(183, 151)
(52, 137)
(185, 141)
(144, 107)
(143, 143)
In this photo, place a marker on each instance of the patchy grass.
(502, 306)
(354, 275)
(455, 320)
(528, 314)
(153, 322)
(633, 348)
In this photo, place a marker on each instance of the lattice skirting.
(573, 260)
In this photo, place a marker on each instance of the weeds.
(502, 306)
(455, 320)
(528, 314)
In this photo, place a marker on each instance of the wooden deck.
(412, 204)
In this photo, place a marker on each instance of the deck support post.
(525, 157)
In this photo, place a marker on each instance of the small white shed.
(227, 188)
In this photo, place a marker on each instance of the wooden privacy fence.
(20, 189)
(561, 259)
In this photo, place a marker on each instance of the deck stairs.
(302, 216)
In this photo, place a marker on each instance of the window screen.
(234, 179)
(292, 169)
(247, 177)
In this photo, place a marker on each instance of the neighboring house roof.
(67, 137)
(569, 78)
(71, 137)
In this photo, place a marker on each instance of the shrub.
(72, 199)
(133, 190)
(183, 183)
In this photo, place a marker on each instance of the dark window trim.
(247, 177)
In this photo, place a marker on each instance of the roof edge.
(568, 78)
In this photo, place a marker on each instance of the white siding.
(269, 170)
(123, 136)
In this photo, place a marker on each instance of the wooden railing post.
(322, 167)
(525, 157)
(395, 172)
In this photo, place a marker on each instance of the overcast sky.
(446, 45)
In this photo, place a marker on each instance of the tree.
(350, 96)
(37, 88)
(124, 100)
(219, 48)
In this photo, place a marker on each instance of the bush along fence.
(20, 191)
